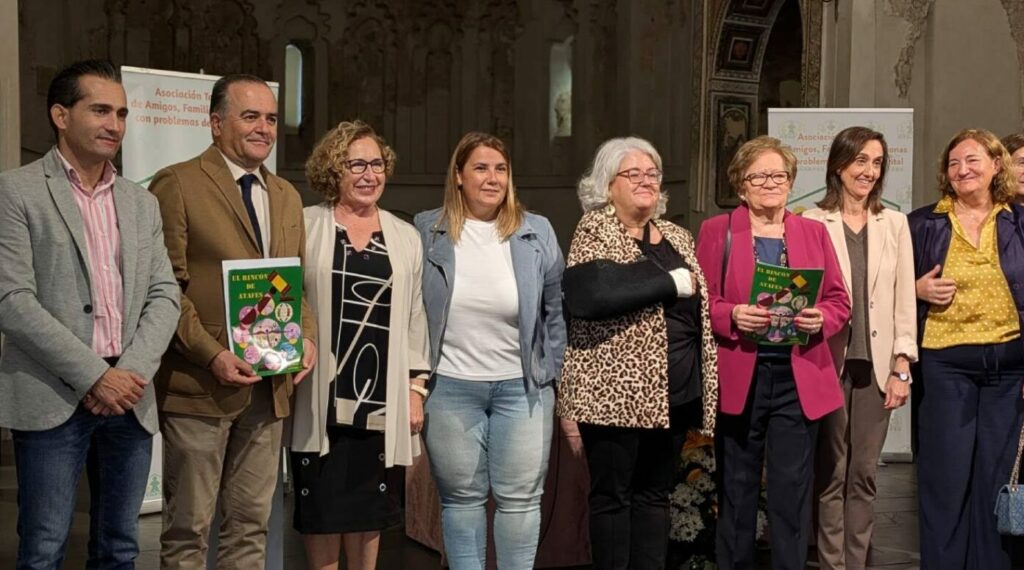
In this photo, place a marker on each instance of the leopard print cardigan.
(616, 370)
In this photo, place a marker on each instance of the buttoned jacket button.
(87, 309)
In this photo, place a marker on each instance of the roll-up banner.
(809, 132)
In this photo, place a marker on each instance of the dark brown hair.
(846, 147)
(1013, 142)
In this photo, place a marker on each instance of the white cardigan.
(407, 343)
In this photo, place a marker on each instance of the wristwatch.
(901, 376)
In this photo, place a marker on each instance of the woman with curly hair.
(361, 410)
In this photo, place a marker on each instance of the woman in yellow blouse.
(969, 260)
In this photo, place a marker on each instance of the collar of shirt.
(106, 181)
(238, 172)
(945, 206)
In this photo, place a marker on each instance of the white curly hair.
(592, 189)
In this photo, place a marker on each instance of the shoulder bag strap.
(1015, 473)
(725, 254)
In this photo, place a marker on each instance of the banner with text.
(168, 122)
(809, 132)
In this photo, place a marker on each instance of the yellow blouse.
(982, 311)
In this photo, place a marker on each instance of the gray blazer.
(47, 364)
(537, 264)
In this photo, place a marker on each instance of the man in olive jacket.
(220, 422)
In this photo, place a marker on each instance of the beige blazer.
(407, 343)
(892, 309)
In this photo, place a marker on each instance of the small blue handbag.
(1010, 501)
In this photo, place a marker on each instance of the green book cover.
(263, 302)
(784, 291)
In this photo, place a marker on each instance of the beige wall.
(10, 123)
(962, 71)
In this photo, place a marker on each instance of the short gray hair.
(592, 189)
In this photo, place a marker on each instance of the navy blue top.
(931, 233)
(769, 250)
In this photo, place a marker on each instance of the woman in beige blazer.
(874, 352)
(361, 409)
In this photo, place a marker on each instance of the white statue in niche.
(563, 114)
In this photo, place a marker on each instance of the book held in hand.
(263, 303)
(784, 291)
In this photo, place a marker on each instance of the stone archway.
(735, 42)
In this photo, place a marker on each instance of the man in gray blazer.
(88, 304)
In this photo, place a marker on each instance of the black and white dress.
(349, 489)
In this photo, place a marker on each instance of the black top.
(359, 327)
(682, 318)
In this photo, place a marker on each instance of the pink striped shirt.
(103, 242)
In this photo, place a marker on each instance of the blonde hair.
(326, 165)
(1003, 186)
(453, 211)
(751, 151)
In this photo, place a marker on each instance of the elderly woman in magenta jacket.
(768, 394)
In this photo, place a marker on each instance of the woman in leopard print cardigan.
(641, 362)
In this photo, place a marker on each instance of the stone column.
(10, 107)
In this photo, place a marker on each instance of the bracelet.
(422, 391)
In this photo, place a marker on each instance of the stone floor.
(894, 548)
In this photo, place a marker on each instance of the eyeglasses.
(636, 176)
(358, 166)
(760, 179)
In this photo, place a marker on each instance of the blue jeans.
(116, 451)
(489, 437)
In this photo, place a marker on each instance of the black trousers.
(970, 420)
(632, 472)
(773, 419)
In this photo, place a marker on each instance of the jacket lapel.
(876, 248)
(740, 269)
(526, 260)
(441, 252)
(60, 191)
(834, 224)
(212, 163)
(275, 195)
(127, 224)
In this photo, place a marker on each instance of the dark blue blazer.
(931, 234)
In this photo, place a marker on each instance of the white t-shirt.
(481, 338)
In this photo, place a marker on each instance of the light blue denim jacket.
(537, 264)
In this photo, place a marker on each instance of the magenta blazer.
(808, 245)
